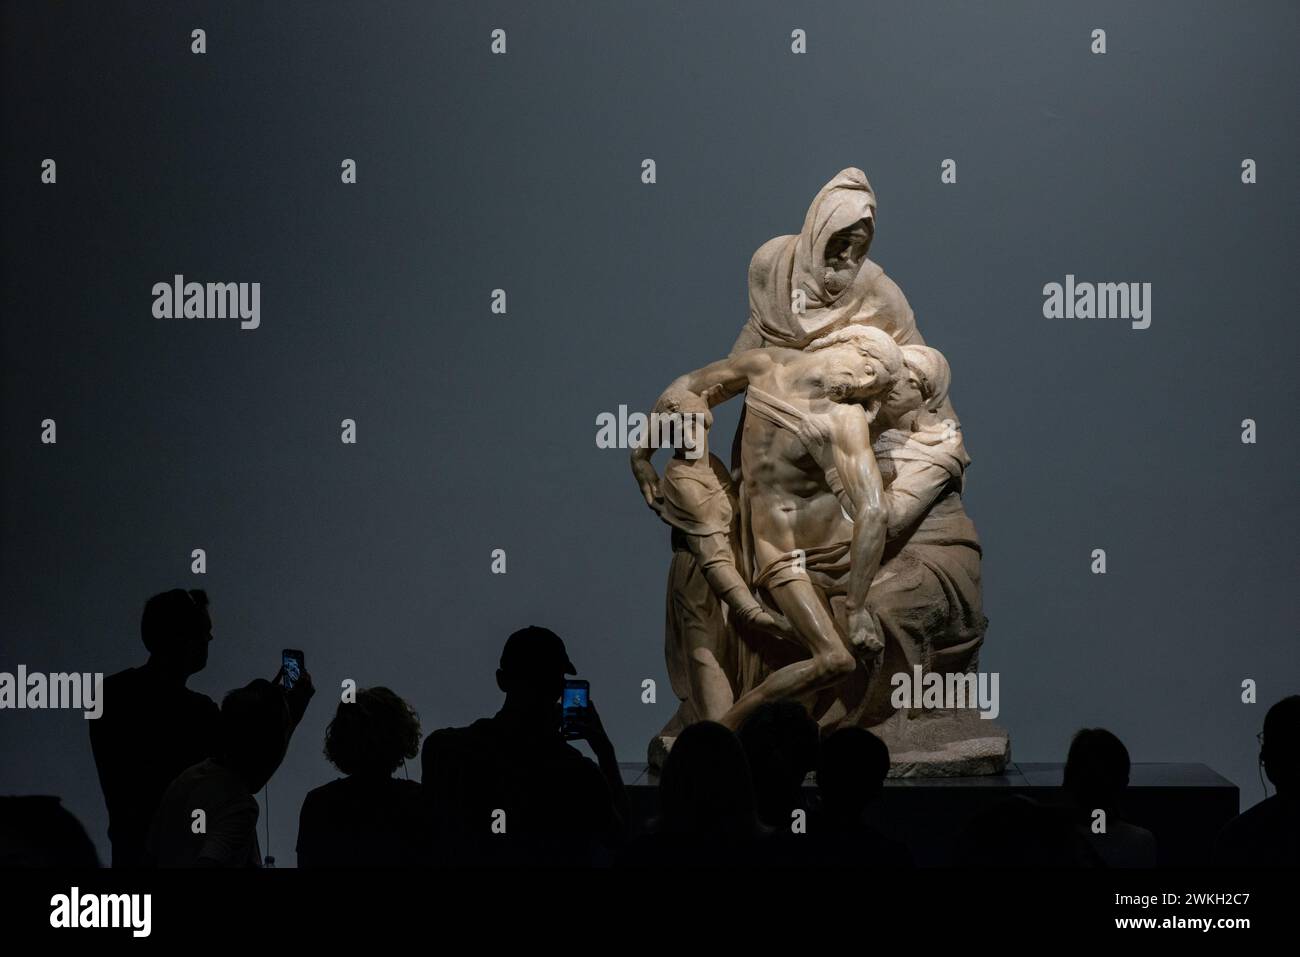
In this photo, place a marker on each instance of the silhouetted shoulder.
(1267, 835)
(404, 787)
(133, 690)
(128, 679)
(452, 739)
(37, 831)
(361, 822)
(120, 692)
(398, 787)
(123, 679)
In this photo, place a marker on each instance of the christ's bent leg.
(801, 603)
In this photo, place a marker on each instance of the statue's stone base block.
(944, 744)
(923, 743)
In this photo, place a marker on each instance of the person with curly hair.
(368, 818)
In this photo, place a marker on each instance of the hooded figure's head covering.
(844, 201)
(935, 373)
(788, 265)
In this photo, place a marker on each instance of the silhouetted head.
(705, 787)
(533, 665)
(1096, 770)
(176, 627)
(372, 735)
(780, 741)
(39, 832)
(253, 732)
(851, 771)
(1280, 750)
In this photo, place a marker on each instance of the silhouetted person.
(708, 816)
(780, 741)
(153, 727)
(509, 790)
(851, 772)
(1019, 832)
(39, 832)
(1268, 835)
(1096, 775)
(253, 733)
(369, 818)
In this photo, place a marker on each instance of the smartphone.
(292, 663)
(573, 707)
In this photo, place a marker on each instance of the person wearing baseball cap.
(509, 790)
(535, 652)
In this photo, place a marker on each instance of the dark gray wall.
(477, 431)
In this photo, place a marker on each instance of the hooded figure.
(798, 292)
(935, 373)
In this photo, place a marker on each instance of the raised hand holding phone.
(295, 681)
(292, 665)
(574, 704)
